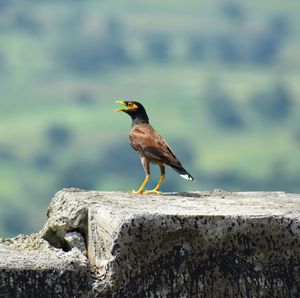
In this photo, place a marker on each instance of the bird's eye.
(132, 105)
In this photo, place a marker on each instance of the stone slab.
(202, 244)
(30, 267)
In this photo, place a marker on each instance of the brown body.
(150, 144)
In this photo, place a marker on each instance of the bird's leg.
(161, 180)
(141, 189)
(145, 164)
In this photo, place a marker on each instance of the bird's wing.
(149, 143)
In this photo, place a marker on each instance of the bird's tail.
(183, 173)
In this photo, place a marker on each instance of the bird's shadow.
(186, 194)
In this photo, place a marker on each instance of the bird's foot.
(137, 192)
(152, 192)
(145, 192)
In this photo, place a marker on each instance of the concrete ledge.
(212, 244)
(30, 267)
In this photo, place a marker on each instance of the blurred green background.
(220, 81)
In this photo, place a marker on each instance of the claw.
(145, 192)
(139, 192)
(152, 192)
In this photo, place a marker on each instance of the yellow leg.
(141, 189)
(156, 189)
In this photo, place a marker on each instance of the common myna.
(150, 146)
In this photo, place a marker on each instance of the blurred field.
(219, 79)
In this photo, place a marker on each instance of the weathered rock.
(30, 267)
(75, 240)
(174, 245)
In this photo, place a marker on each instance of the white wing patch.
(187, 177)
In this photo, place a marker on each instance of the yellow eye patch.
(132, 105)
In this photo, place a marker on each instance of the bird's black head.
(135, 110)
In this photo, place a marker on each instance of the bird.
(150, 146)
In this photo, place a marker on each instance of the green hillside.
(219, 80)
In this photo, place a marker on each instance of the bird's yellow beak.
(121, 103)
(128, 106)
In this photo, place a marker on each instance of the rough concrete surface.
(202, 244)
(30, 267)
